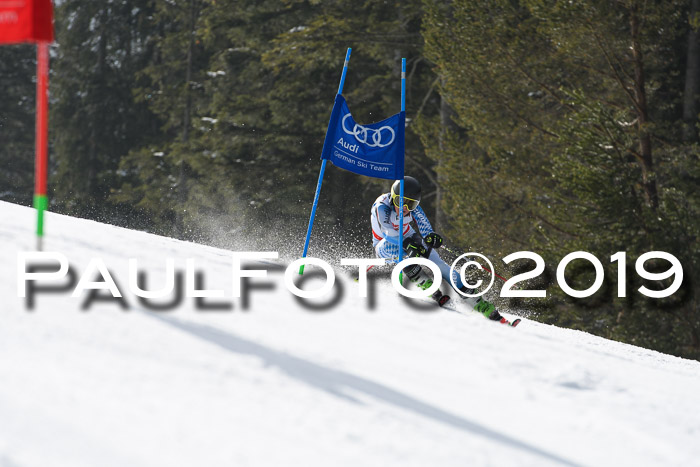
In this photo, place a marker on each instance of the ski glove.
(414, 248)
(433, 240)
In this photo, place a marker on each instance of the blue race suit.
(385, 234)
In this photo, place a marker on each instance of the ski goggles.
(408, 203)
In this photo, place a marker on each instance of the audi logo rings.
(362, 133)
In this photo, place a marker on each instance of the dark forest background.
(543, 125)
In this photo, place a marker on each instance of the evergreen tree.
(94, 119)
(259, 122)
(207, 86)
(18, 97)
(312, 52)
(573, 121)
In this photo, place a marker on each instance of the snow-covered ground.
(272, 382)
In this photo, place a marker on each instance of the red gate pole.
(41, 202)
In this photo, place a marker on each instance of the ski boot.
(421, 280)
(482, 306)
(487, 309)
(414, 272)
(416, 275)
(440, 298)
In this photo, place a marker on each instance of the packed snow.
(266, 380)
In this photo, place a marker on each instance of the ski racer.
(424, 243)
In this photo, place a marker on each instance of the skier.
(424, 243)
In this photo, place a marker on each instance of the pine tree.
(312, 52)
(259, 121)
(17, 94)
(94, 119)
(571, 112)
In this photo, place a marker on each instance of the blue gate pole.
(345, 70)
(403, 109)
(323, 169)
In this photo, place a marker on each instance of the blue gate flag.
(374, 150)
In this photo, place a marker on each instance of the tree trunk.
(692, 79)
(188, 77)
(645, 149)
(447, 124)
(187, 117)
(96, 118)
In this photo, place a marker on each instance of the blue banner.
(374, 150)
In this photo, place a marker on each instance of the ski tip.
(515, 323)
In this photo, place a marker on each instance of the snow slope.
(273, 382)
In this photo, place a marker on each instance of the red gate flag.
(26, 21)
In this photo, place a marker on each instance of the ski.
(513, 323)
(444, 301)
